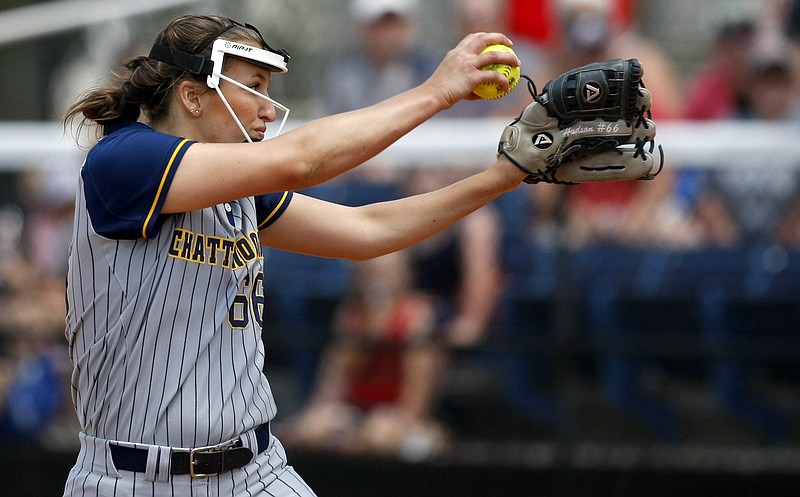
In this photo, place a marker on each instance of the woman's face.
(253, 112)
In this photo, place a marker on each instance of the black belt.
(200, 462)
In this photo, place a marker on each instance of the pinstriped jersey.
(164, 311)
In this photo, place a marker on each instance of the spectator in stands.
(750, 204)
(389, 63)
(33, 388)
(50, 198)
(792, 20)
(590, 31)
(388, 60)
(720, 86)
(537, 20)
(459, 267)
(378, 383)
(622, 212)
(717, 90)
(544, 217)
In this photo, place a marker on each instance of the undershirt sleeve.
(269, 207)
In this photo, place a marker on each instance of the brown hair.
(143, 84)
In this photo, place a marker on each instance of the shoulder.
(127, 176)
(134, 143)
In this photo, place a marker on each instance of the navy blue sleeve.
(126, 178)
(269, 207)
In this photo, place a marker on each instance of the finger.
(475, 42)
(495, 78)
(497, 57)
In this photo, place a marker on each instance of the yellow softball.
(492, 91)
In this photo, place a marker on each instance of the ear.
(189, 93)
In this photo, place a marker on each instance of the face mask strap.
(193, 63)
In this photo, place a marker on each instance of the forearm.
(333, 145)
(315, 227)
(391, 226)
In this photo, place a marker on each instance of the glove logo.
(592, 93)
(542, 141)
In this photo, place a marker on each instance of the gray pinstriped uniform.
(164, 325)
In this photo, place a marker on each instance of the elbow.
(360, 252)
(361, 257)
(303, 174)
(363, 233)
(311, 173)
(364, 251)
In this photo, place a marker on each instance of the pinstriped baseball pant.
(94, 475)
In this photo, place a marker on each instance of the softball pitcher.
(165, 284)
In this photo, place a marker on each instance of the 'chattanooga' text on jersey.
(213, 250)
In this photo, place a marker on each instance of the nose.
(267, 112)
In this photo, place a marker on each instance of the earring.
(196, 111)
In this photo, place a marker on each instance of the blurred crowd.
(403, 321)
(34, 369)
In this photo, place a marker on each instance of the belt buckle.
(212, 449)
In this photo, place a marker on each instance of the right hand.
(460, 71)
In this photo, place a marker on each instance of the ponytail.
(141, 85)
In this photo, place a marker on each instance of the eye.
(260, 87)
